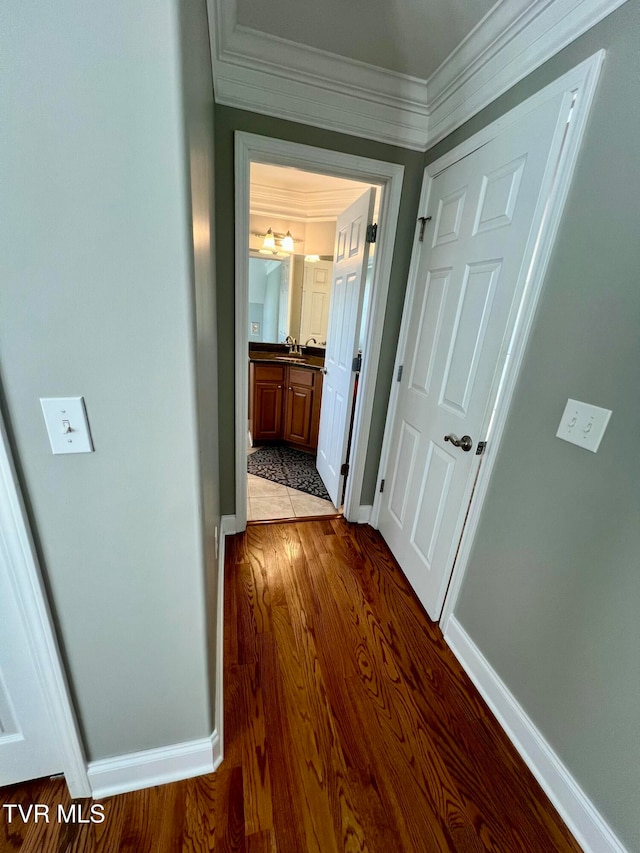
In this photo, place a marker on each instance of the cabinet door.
(267, 416)
(268, 399)
(298, 414)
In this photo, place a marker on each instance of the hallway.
(349, 726)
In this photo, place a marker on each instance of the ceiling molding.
(300, 205)
(273, 76)
(515, 38)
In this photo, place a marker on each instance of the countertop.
(278, 356)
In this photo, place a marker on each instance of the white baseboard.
(151, 767)
(364, 514)
(583, 819)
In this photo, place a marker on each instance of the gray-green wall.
(552, 592)
(229, 120)
(97, 267)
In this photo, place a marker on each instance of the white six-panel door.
(349, 273)
(485, 211)
(316, 297)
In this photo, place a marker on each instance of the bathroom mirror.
(289, 296)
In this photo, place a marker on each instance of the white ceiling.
(408, 36)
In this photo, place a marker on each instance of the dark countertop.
(312, 357)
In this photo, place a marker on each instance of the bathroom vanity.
(285, 392)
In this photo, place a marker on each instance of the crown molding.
(301, 206)
(273, 76)
(512, 40)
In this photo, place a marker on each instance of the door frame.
(579, 83)
(25, 579)
(388, 177)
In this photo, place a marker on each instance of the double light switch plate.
(583, 424)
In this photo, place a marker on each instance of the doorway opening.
(297, 324)
(310, 297)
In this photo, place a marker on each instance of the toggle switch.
(67, 424)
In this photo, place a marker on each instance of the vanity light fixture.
(287, 242)
(277, 244)
(269, 244)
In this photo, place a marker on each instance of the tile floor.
(267, 501)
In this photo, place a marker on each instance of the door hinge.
(372, 231)
(382, 485)
(423, 221)
(399, 376)
(356, 364)
(481, 447)
(344, 469)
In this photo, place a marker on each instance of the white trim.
(151, 767)
(26, 581)
(364, 514)
(581, 816)
(389, 176)
(514, 39)
(267, 74)
(299, 205)
(581, 82)
(273, 76)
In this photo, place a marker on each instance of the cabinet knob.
(290, 388)
(279, 386)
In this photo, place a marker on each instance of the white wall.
(96, 264)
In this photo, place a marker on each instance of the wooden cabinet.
(285, 404)
(268, 396)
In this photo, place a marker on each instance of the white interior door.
(347, 290)
(486, 210)
(316, 298)
(28, 744)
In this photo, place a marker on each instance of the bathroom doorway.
(288, 198)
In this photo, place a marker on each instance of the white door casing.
(347, 290)
(470, 276)
(28, 744)
(316, 298)
(38, 731)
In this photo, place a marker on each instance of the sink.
(292, 358)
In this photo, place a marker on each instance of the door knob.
(466, 442)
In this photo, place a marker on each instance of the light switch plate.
(583, 424)
(67, 424)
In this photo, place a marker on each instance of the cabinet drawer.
(269, 372)
(301, 376)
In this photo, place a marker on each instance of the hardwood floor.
(349, 725)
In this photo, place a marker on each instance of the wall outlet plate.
(67, 424)
(583, 424)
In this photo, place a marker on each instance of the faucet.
(289, 341)
(310, 339)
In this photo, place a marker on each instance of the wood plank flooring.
(349, 725)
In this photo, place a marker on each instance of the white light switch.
(67, 424)
(583, 424)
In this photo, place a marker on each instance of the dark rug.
(289, 467)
